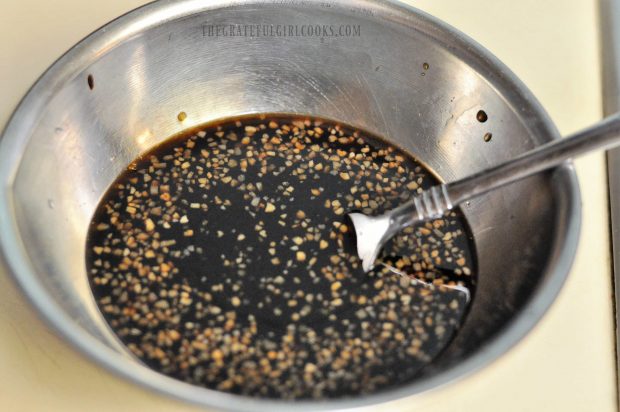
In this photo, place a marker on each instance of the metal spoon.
(374, 231)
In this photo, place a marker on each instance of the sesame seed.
(224, 258)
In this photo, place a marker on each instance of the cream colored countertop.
(566, 364)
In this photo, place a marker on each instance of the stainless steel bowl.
(118, 92)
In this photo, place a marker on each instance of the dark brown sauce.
(224, 258)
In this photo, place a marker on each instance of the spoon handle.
(602, 135)
(436, 201)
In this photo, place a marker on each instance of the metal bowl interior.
(67, 141)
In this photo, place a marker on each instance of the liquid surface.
(224, 258)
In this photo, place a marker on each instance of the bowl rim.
(14, 258)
